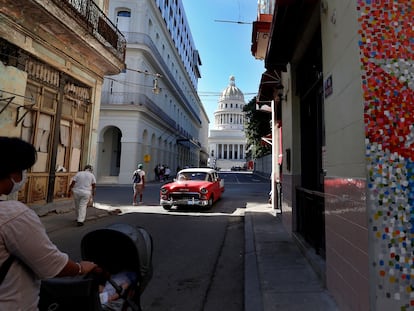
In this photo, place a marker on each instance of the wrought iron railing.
(310, 218)
(88, 14)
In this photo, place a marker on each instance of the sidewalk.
(56, 221)
(277, 275)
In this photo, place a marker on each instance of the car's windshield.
(193, 176)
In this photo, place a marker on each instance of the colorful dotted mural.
(387, 50)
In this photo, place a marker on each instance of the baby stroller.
(116, 248)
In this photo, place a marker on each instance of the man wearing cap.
(138, 178)
(83, 186)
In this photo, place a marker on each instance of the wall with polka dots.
(387, 49)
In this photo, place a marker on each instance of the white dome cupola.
(229, 113)
(227, 139)
(231, 91)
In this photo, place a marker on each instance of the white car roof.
(197, 170)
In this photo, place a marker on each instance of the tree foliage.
(258, 124)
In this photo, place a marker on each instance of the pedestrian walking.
(83, 187)
(26, 253)
(161, 172)
(156, 172)
(167, 173)
(138, 178)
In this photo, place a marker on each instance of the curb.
(252, 291)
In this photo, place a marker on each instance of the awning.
(266, 140)
(269, 83)
(267, 107)
(289, 19)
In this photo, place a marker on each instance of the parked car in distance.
(236, 168)
(239, 168)
(198, 187)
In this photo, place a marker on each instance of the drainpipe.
(55, 143)
(275, 157)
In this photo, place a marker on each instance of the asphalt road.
(198, 256)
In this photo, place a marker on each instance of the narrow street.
(198, 256)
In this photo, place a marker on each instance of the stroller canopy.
(120, 247)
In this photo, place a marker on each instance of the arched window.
(122, 20)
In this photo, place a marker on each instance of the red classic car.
(192, 187)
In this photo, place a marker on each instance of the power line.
(218, 94)
(234, 22)
(158, 75)
(200, 94)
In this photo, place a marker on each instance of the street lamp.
(155, 88)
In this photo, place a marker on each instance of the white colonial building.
(227, 140)
(151, 112)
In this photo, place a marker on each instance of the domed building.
(227, 140)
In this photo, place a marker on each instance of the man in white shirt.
(83, 186)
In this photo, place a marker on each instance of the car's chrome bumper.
(189, 202)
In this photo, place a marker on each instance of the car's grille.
(185, 196)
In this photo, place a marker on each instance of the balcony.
(260, 35)
(77, 28)
(261, 28)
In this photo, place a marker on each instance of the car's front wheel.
(166, 207)
(210, 202)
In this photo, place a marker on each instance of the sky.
(224, 48)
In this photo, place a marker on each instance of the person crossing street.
(138, 178)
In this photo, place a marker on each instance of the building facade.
(151, 113)
(227, 140)
(54, 55)
(343, 94)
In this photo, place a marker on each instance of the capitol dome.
(227, 140)
(229, 114)
(232, 91)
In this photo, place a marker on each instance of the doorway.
(310, 194)
(110, 152)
